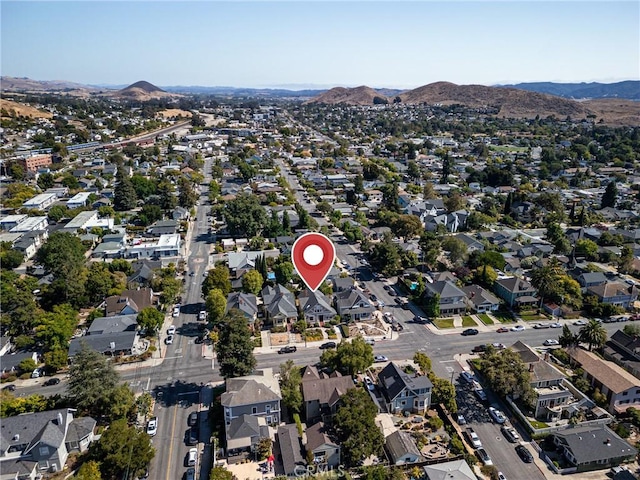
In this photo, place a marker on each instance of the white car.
(580, 322)
(380, 358)
(550, 341)
(169, 340)
(176, 312)
(171, 330)
(517, 328)
(501, 476)
(202, 315)
(497, 415)
(370, 384)
(152, 426)
(555, 325)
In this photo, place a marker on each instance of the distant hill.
(17, 108)
(141, 91)
(353, 96)
(629, 89)
(27, 85)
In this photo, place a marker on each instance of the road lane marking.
(171, 442)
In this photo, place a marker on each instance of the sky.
(300, 44)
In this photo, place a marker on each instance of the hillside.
(15, 108)
(629, 89)
(140, 91)
(28, 85)
(352, 96)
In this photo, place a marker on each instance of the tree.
(218, 472)
(63, 256)
(10, 258)
(556, 236)
(407, 226)
(432, 306)
(485, 275)
(46, 180)
(423, 361)
(632, 330)
(385, 257)
(252, 282)
(446, 168)
(593, 334)
(92, 379)
(283, 272)
(235, 348)
(358, 183)
(187, 194)
(88, 471)
(286, 222)
(290, 382)
(245, 216)
(55, 328)
(124, 195)
(349, 357)
(216, 304)
(457, 249)
(355, 427)
(430, 246)
(57, 213)
(587, 248)
(610, 195)
(507, 374)
(567, 338)
(390, 197)
(217, 277)
(150, 319)
(428, 192)
(123, 451)
(27, 365)
(413, 170)
(454, 202)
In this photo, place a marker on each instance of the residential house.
(290, 445)
(591, 279)
(615, 293)
(321, 393)
(316, 307)
(452, 299)
(7, 222)
(279, 305)
(78, 200)
(36, 443)
(402, 448)
(353, 305)
(593, 447)
(163, 227)
(165, 246)
(257, 395)
(143, 271)
(324, 451)
(41, 201)
(30, 242)
(620, 387)
(624, 350)
(180, 213)
(244, 433)
(453, 470)
(130, 302)
(516, 291)
(11, 361)
(31, 224)
(480, 300)
(247, 303)
(404, 392)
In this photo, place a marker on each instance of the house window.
(254, 410)
(403, 402)
(624, 394)
(269, 419)
(268, 409)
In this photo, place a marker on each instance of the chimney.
(531, 367)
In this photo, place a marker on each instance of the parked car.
(202, 315)
(524, 454)
(9, 388)
(419, 319)
(176, 312)
(502, 330)
(484, 456)
(370, 385)
(517, 328)
(479, 348)
(497, 415)
(510, 433)
(152, 426)
(288, 349)
(550, 341)
(327, 345)
(192, 457)
(192, 436)
(52, 381)
(498, 346)
(541, 325)
(193, 419)
(171, 330)
(190, 474)
(373, 298)
(370, 341)
(481, 394)
(580, 322)
(380, 358)
(501, 476)
(473, 438)
(461, 420)
(467, 376)
(168, 340)
(470, 331)
(555, 325)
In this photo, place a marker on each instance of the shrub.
(344, 329)
(435, 423)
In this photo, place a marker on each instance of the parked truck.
(473, 438)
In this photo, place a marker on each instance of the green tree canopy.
(124, 194)
(235, 347)
(245, 216)
(216, 304)
(252, 282)
(150, 319)
(506, 374)
(283, 272)
(290, 382)
(350, 357)
(217, 277)
(610, 195)
(593, 334)
(89, 471)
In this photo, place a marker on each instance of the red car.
(502, 330)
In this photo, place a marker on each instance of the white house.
(42, 201)
(78, 200)
(31, 224)
(164, 246)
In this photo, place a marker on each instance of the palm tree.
(594, 334)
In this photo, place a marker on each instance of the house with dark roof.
(257, 395)
(279, 305)
(290, 446)
(615, 293)
(315, 307)
(403, 392)
(624, 350)
(325, 452)
(33, 443)
(402, 448)
(247, 303)
(244, 433)
(163, 227)
(516, 291)
(321, 393)
(129, 302)
(143, 271)
(480, 300)
(109, 336)
(593, 447)
(620, 387)
(353, 305)
(591, 279)
(452, 299)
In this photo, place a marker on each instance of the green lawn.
(532, 317)
(485, 319)
(536, 424)
(503, 317)
(443, 322)
(467, 321)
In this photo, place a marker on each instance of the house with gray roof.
(325, 452)
(591, 279)
(10, 362)
(315, 307)
(258, 395)
(403, 392)
(480, 300)
(452, 299)
(615, 293)
(453, 470)
(279, 305)
(244, 433)
(32, 443)
(402, 448)
(293, 462)
(593, 447)
(247, 303)
(321, 393)
(353, 305)
(118, 323)
(112, 343)
(516, 291)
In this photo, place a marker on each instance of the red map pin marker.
(313, 255)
